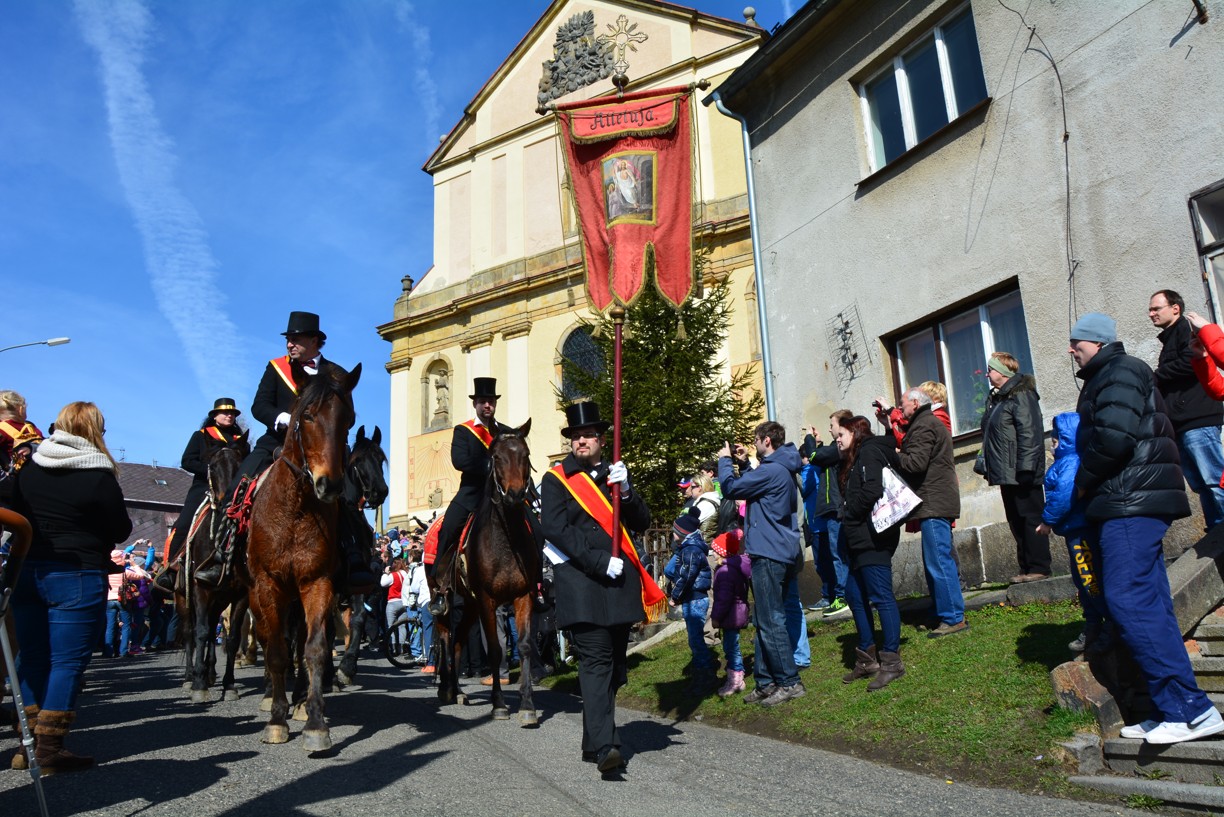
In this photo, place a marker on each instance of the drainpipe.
(766, 357)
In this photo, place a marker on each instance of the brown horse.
(503, 565)
(292, 551)
(204, 603)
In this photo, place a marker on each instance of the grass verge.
(975, 707)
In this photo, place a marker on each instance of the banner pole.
(617, 314)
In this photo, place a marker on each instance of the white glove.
(282, 420)
(616, 566)
(617, 472)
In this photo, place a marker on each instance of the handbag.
(898, 502)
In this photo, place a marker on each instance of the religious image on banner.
(629, 186)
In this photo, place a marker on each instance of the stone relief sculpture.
(579, 59)
(441, 415)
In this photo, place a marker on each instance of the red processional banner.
(630, 165)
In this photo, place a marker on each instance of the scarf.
(64, 451)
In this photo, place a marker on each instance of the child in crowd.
(1064, 515)
(689, 571)
(730, 611)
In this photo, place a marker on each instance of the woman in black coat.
(219, 430)
(70, 493)
(870, 583)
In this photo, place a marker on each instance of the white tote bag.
(898, 502)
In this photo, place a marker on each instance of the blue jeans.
(831, 561)
(58, 613)
(1202, 461)
(796, 624)
(109, 641)
(131, 624)
(775, 654)
(731, 651)
(871, 588)
(942, 574)
(695, 611)
(422, 637)
(1136, 589)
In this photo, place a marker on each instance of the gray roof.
(153, 484)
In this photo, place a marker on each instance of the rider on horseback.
(283, 379)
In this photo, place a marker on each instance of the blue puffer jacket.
(771, 525)
(689, 568)
(1063, 512)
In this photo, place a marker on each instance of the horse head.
(223, 466)
(511, 472)
(318, 430)
(365, 482)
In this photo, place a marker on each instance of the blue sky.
(178, 176)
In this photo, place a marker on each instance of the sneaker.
(820, 605)
(837, 609)
(1138, 730)
(759, 694)
(1209, 723)
(734, 684)
(783, 694)
(948, 629)
(429, 669)
(1079, 643)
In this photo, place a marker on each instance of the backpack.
(728, 516)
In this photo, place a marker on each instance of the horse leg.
(329, 664)
(297, 669)
(527, 658)
(201, 600)
(229, 690)
(271, 628)
(316, 604)
(448, 687)
(488, 623)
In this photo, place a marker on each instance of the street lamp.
(48, 342)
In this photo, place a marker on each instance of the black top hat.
(304, 323)
(484, 387)
(583, 415)
(224, 404)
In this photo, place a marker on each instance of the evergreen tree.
(676, 410)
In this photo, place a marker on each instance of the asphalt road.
(397, 752)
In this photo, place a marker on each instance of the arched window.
(581, 350)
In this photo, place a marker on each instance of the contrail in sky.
(422, 53)
(180, 263)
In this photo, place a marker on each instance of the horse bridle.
(500, 493)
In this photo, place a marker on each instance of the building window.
(1207, 215)
(580, 350)
(953, 350)
(932, 83)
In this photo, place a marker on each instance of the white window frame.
(1208, 250)
(897, 67)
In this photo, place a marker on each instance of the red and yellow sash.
(215, 433)
(281, 364)
(592, 500)
(482, 432)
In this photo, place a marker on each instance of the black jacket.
(199, 450)
(864, 487)
(1013, 434)
(470, 457)
(274, 397)
(1129, 464)
(585, 594)
(828, 459)
(927, 465)
(77, 515)
(1187, 403)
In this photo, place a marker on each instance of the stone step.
(1189, 796)
(1196, 761)
(1209, 672)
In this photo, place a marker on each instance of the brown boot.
(20, 762)
(891, 669)
(49, 749)
(866, 666)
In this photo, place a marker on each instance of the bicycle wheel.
(389, 645)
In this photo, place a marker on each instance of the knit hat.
(1096, 328)
(727, 544)
(687, 522)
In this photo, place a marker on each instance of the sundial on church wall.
(580, 58)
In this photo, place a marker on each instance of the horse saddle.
(240, 509)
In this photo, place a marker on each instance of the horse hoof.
(299, 713)
(463, 699)
(265, 705)
(275, 733)
(501, 713)
(186, 687)
(230, 695)
(528, 719)
(344, 678)
(316, 740)
(200, 696)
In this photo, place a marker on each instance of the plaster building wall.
(981, 207)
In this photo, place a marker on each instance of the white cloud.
(422, 55)
(181, 266)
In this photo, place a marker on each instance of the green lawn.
(974, 707)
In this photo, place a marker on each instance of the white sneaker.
(1209, 723)
(1138, 730)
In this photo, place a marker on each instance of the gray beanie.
(1096, 327)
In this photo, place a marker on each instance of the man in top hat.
(599, 596)
(470, 457)
(283, 378)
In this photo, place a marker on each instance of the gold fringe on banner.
(657, 611)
